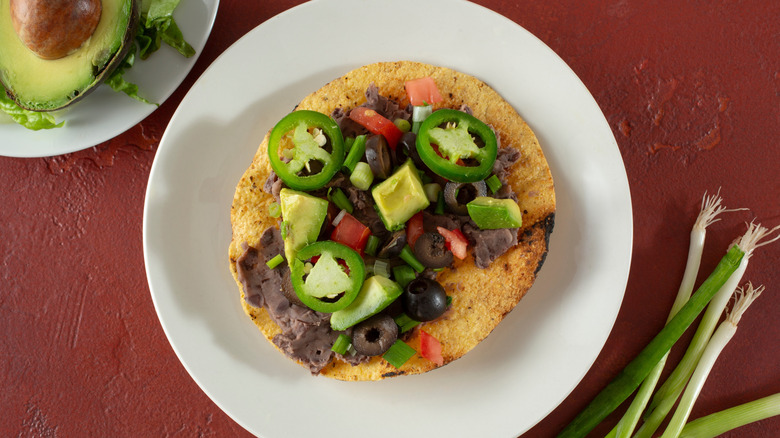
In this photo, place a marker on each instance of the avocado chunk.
(47, 63)
(491, 213)
(399, 197)
(376, 294)
(302, 218)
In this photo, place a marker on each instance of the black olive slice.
(424, 299)
(431, 250)
(378, 156)
(407, 148)
(375, 335)
(457, 195)
(394, 246)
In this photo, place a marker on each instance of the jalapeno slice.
(456, 155)
(306, 149)
(328, 286)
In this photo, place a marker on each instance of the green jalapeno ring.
(448, 168)
(288, 171)
(354, 262)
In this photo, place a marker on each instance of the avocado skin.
(98, 77)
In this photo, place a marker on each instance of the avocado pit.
(52, 29)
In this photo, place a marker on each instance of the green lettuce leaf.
(158, 26)
(118, 82)
(29, 119)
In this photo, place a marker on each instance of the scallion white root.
(708, 214)
(721, 422)
(666, 396)
(715, 346)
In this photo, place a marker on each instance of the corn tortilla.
(479, 300)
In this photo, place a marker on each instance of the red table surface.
(690, 89)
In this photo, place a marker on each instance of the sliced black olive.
(394, 246)
(457, 195)
(431, 251)
(375, 335)
(407, 148)
(378, 156)
(424, 299)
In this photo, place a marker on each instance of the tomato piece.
(377, 124)
(351, 232)
(414, 228)
(423, 91)
(430, 348)
(455, 241)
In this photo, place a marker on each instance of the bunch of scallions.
(689, 376)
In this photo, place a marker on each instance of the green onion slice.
(399, 353)
(405, 323)
(404, 274)
(275, 261)
(336, 196)
(493, 183)
(408, 256)
(342, 344)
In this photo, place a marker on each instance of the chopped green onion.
(283, 228)
(371, 245)
(716, 424)
(404, 274)
(449, 300)
(342, 344)
(356, 152)
(405, 323)
(275, 261)
(420, 113)
(408, 256)
(362, 176)
(432, 191)
(381, 268)
(710, 209)
(399, 353)
(635, 372)
(274, 210)
(439, 204)
(716, 344)
(493, 183)
(348, 142)
(403, 125)
(336, 196)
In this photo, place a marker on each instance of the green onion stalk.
(715, 346)
(670, 391)
(708, 214)
(721, 422)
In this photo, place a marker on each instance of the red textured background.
(691, 90)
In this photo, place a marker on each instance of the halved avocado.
(39, 84)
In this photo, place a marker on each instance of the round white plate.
(104, 114)
(533, 359)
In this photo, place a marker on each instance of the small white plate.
(533, 359)
(104, 114)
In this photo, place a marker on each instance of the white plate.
(104, 114)
(533, 359)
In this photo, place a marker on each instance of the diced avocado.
(399, 197)
(376, 294)
(91, 52)
(491, 213)
(302, 216)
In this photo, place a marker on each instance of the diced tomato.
(414, 228)
(430, 348)
(351, 232)
(455, 241)
(422, 91)
(377, 124)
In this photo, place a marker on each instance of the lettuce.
(29, 119)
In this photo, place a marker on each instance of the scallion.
(338, 218)
(372, 244)
(342, 344)
(274, 210)
(404, 274)
(355, 154)
(717, 342)
(362, 176)
(275, 261)
(716, 424)
(439, 204)
(398, 353)
(432, 191)
(710, 209)
(420, 113)
(635, 372)
(403, 125)
(405, 323)
(493, 183)
(337, 196)
(408, 256)
(381, 268)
